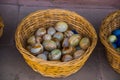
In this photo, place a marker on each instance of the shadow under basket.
(110, 23)
(48, 18)
(1, 26)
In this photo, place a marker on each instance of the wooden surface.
(13, 66)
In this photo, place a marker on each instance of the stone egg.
(78, 54)
(49, 45)
(67, 58)
(51, 31)
(68, 33)
(57, 42)
(112, 38)
(55, 55)
(74, 40)
(36, 49)
(31, 40)
(61, 26)
(65, 42)
(84, 43)
(47, 37)
(68, 50)
(40, 32)
(42, 56)
(58, 35)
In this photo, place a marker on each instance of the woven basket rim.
(54, 62)
(105, 43)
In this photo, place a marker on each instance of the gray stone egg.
(42, 56)
(51, 31)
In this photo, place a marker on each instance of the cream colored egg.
(61, 26)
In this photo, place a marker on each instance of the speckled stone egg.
(61, 26)
(40, 32)
(49, 45)
(58, 35)
(51, 30)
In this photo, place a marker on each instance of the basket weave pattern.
(110, 23)
(47, 18)
(1, 26)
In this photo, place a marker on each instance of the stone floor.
(12, 64)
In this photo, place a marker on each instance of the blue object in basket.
(74, 31)
(116, 32)
(114, 45)
(118, 41)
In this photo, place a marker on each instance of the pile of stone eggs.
(57, 43)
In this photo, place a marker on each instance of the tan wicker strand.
(1, 26)
(110, 23)
(47, 18)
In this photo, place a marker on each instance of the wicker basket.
(110, 23)
(47, 18)
(1, 26)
